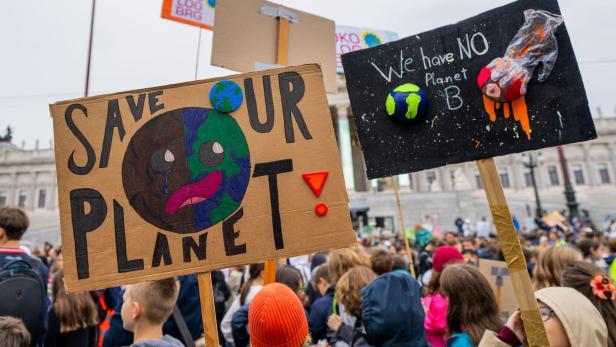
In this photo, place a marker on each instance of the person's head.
(322, 278)
(550, 264)
(149, 303)
(399, 263)
(276, 318)
(570, 319)
(596, 286)
(472, 306)
(348, 289)
(74, 311)
(290, 277)
(444, 255)
(255, 273)
(13, 223)
(13, 332)
(391, 311)
(589, 248)
(382, 261)
(341, 260)
(611, 244)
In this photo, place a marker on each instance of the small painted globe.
(226, 96)
(406, 102)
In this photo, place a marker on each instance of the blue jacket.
(320, 311)
(392, 313)
(188, 303)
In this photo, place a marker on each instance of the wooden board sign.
(246, 38)
(458, 123)
(198, 176)
(497, 274)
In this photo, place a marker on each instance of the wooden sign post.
(510, 245)
(407, 247)
(208, 309)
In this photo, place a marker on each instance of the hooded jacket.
(392, 313)
(583, 323)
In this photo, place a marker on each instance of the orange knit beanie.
(276, 317)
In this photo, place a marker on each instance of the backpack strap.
(181, 323)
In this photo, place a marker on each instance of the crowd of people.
(361, 296)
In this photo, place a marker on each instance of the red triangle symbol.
(316, 181)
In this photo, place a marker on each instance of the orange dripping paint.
(518, 107)
(488, 105)
(506, 110)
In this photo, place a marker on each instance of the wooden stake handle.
(407, 247)
(510, 245)
(208, 309)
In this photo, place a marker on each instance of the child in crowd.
(73, 318)
(569, 318)
(592, 282)
(381, 260)
(435, 303)
(146, 307)
(348, 292)
(550, 264)
(339, 261)
(276, 318)
(472, 307)
(13, 332)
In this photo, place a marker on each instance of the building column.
(51, 204)
(590, 167)
(516, 173)
(11, 198)
(443, 178)
(344, 143)
(31, 192)
(611, 147)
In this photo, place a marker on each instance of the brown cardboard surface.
(302, 230)
(507, 302)
(243, 36)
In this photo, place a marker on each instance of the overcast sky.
(44, 47)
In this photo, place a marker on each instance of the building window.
(604, 174)
(2, 198)
(578, 174)
(431, 176)
(21, 202)
(404, 180)
(528, 179)
(478, 181)
(553, 173)
(41, 198)
(504, 177)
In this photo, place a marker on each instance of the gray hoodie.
(165, 341)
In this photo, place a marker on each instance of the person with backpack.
(23, 278)
(72, 319)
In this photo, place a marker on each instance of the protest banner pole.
(86, 90)
(510, 245)
(394, 184)
(282, 58)
(208, 311)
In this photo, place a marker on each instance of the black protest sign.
(449, 120)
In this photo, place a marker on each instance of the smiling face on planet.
(187, 169)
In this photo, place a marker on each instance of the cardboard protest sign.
(197, 176)
(435, 75)
(350, 39)
(497, 274)
(245, 38)
(194, 12)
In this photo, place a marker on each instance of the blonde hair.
(550, 265)
(348, 289)
(157, 297)
(13, 332)
(342, 260)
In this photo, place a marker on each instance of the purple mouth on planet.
(194, 193)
